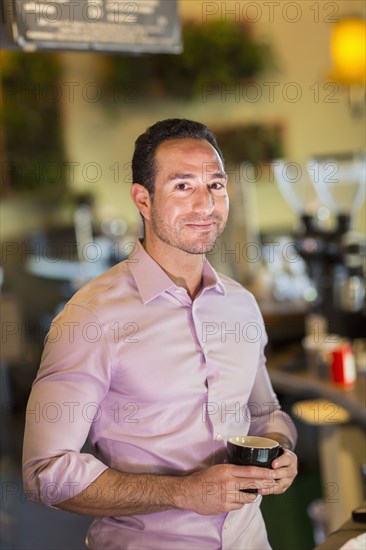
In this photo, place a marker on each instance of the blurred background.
(282, 85)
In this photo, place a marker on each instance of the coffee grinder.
(326, 193)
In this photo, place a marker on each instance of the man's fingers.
(252, 472)
(247, 498)
(282, 473)
(258, 485)
(287, 459)
(278, 488)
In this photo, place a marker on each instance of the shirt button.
(227, 525)
(219, 437)
(205, 350)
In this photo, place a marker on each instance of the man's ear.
(141, 198)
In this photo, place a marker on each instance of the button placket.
(198, 328)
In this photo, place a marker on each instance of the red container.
(343, 367)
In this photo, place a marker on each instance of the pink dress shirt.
(158, 382)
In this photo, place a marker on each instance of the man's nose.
(203, 200)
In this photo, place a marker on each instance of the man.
(143, 361)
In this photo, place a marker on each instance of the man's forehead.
(209, 170)
(195, 152)
(178, 144)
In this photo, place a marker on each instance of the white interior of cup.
(253, 441)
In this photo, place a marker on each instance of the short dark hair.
(143, 160)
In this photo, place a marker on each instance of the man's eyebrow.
(217, 175)
(213, 175)
(181, 177)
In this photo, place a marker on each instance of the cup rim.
(253, 442)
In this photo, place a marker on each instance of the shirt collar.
(211, 280)
(151, 279)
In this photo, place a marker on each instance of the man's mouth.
(201, 225)
(204, 224)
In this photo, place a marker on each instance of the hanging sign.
(140, 26)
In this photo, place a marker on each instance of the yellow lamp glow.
(349, 51)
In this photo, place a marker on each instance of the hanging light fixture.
(349, 51)
(348, 45)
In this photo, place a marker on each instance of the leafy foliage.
(220, 52)
(253, 143)
(31, 121)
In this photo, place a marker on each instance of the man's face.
(190, 204)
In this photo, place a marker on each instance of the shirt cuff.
(63, 477)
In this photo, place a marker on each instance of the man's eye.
(181, 186)
(216, 185)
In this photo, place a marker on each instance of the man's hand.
(285, 468)
(215, 490)
(219, 489)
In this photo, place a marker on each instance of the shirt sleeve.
(266, 413)
(72, 380)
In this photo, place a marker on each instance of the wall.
(315, 115)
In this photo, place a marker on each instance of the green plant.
(220, 52)
(254, 143)
(31, 124)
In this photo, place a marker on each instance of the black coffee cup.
(249, 450)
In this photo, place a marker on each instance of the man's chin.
(199, 248)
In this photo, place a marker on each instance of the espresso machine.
(326, 192)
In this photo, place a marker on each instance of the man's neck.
(183, 268)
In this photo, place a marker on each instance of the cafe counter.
(289, 375)
(340, 417)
